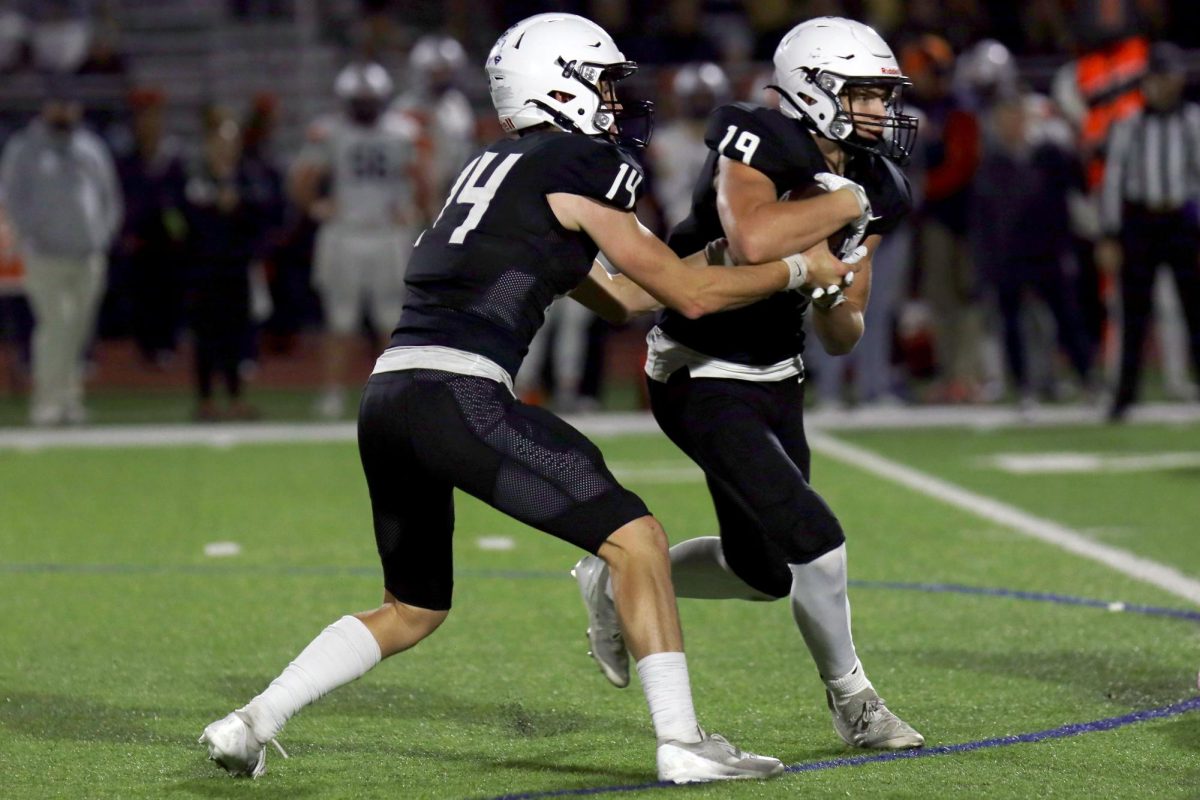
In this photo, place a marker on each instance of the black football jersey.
(480, 278)
(781, 148)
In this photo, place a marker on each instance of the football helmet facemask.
(822, 63)
(563, 69)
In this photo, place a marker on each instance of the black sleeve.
(890, 195)
(766, 140)
(737, 132)
(577, 164)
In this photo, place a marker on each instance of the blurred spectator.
(984, 73)
(263, 173)
(14, 33)
(678, 151)
(103, 57)
(150, 249)
(16, 322)
(61, 36)
(1099, 87)
(60, 189)
(1151, 180)
(435, 100)
(225, 211)
(1020, 232)
(950, 144)
(377, 198)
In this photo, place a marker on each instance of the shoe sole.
(238, 768)
(687, 767)
(895, 743)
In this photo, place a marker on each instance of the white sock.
(822, 612)
(668, 691)
(342, 652)
(699, 569)
(852, 682)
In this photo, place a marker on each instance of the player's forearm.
(774, 230)
(839, 328)
(614, 298)
(715, 289)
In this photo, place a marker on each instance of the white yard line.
(1159, 575)
(1058, 463)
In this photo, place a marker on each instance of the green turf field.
(120, 639)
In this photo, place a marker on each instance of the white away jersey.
(369, 167)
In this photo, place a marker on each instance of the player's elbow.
(840, 347)
(750, 248)
(841, 341)
(696, 306)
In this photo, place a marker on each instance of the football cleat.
(604, 629)
(711, 759)
(864, 720)
(233, 745)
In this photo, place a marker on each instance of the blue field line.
(1062, 732)
(1040, 597)
(524, 574)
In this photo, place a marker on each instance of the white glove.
(858, 227)
(832, 183)
(856, 255)
(829, 297)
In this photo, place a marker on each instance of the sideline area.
(600, 425)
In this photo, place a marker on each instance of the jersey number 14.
(469, 190)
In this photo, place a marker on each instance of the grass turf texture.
(121, 640)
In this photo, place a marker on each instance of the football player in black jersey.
(523, 224)
(727, 388)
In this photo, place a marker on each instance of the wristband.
(798, 265)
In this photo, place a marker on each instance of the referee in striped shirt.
(1148, 201)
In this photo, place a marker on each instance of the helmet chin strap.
(557, 117)
(801, 115)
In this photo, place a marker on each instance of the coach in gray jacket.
(59, 186)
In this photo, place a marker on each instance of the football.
(838, 237)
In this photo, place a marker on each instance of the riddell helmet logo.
(506, 124)
(889, 70)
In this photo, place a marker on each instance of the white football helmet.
(820, 59)
(986, 72)
(700, 88)
(575, 58)
(364, 88)
(437, 52)
(435, 62)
